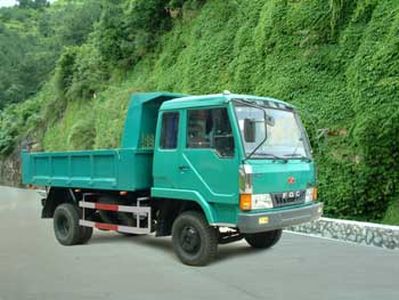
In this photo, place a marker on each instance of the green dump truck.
(206, 170)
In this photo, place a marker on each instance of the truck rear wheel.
(85, 234)
(66, 224)
(263, 240)
(194, 241)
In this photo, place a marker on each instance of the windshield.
(285, 134)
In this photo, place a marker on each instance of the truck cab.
(245, 160)
(206, 170)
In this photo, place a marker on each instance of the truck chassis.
(76, 214)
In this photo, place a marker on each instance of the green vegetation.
(336, 60)
(32, 36)
(392, 214)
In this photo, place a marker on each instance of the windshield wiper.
(272, 155)
(299, 156)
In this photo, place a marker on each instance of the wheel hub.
(189, 239)
(63, 225)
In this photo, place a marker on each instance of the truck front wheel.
(194, 241)
(263, 240)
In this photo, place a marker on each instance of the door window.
(170, 125)
(210, 128)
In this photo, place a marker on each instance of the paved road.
(34, 266)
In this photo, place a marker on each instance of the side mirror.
(249, 130)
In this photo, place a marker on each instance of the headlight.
(259, 201)
(262, 201)
(311, 194)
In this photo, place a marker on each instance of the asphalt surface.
(34, 266)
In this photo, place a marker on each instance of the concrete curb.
(378, 235)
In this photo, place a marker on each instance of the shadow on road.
(225, 252)
(149, 240)
(235, 250)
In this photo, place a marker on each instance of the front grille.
(288, 198)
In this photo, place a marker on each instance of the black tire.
(263, 240)
(66, 224)
(85, 234)
(194, 241)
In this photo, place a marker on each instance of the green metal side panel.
(118, 169)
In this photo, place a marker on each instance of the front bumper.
(266, 221)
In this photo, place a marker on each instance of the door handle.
(184, 168)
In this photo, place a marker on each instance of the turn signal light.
(314, 196)
(311, 194)
(245, 201)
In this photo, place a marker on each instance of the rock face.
(356, 232)
(10, 170)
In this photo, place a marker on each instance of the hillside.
(336, 60)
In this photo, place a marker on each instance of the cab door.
(167, 154)
(209, 160)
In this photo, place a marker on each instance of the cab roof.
(212, 100)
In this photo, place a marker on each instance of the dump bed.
(116, 169)
(127, 168)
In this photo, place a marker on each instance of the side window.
(169, 131)
(210, 128)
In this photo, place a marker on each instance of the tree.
(35, 4)
(129, 29)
